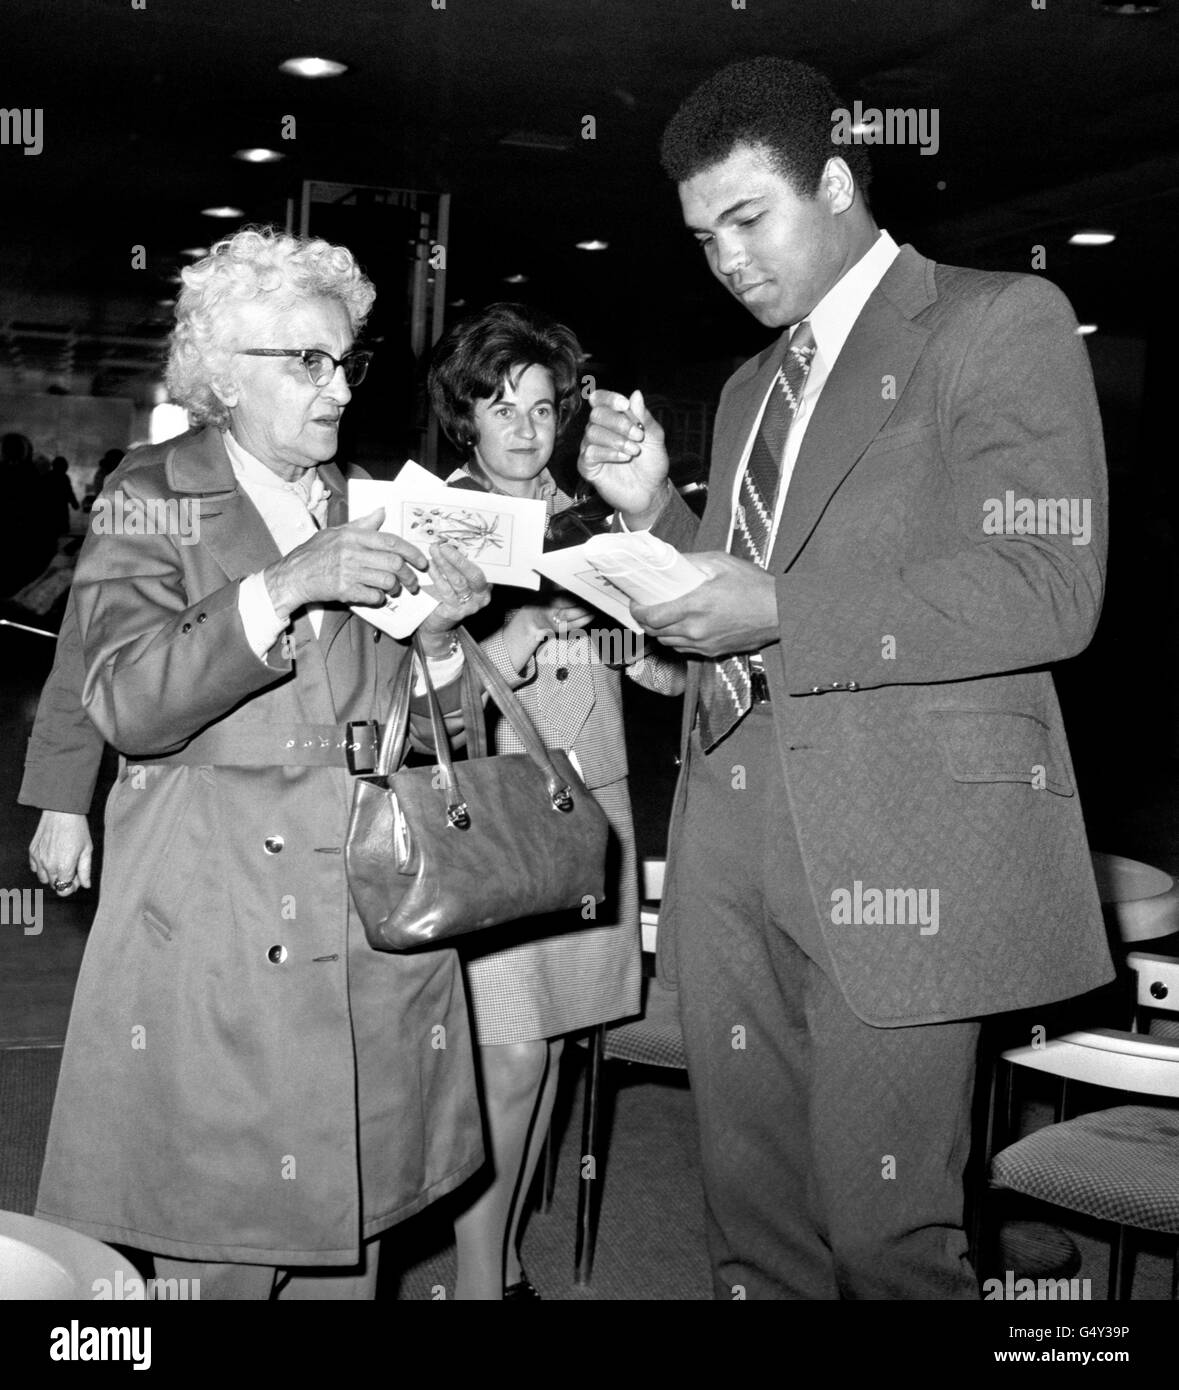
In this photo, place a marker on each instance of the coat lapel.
(859, 395)
(335, 615)
(231, 527)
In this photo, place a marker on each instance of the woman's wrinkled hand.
(461, 589)
(60, 852)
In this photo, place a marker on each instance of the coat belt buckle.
(369, 743)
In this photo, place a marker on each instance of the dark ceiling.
(1049, 120)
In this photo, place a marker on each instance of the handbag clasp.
(458, 817)
(562, 799)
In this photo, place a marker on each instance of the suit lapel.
(732, 434)
(859, 395)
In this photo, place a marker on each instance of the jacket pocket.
(1001, 746)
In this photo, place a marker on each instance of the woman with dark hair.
(504, 384)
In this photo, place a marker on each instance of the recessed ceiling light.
(258, 156)
(1084, 329)
(1121, 7)
(196, 252)
(225, 211)
(1091, 238)
(313, 67)
(458, 303)
(595, 244)
(515, 279)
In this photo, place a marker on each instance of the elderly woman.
(248, 1091)
(504, 383)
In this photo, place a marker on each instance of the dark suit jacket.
(918, 728)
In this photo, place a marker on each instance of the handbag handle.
(397, 728)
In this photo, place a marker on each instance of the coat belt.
(353, 746)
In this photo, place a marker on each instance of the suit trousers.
(259, 1283)
(832, 1151)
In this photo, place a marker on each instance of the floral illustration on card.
(481, 533)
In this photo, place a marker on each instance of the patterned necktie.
(725, 688)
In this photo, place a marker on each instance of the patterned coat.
(244, 1079)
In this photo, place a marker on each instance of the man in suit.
(876, 837)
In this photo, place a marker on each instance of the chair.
(1118, 1165)
(654, 1040)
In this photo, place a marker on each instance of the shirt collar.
(548, 491)
(253, 474)
(834, 316)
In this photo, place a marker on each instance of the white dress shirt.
(831, 320)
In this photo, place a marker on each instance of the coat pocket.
(1001, 746)
(183, 851)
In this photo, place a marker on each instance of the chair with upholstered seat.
(1119, 1165)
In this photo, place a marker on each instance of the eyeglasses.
(321, 366)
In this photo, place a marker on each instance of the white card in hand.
(640, 565)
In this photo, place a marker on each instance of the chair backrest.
(1112, 1058)
(1158, 981)
(1106, 1057)
(653, 870)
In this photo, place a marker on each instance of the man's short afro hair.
(774, 102)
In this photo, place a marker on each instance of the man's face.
(775, 251)
(276, 413)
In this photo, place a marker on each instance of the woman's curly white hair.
(257, 264)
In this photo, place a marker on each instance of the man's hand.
(622, 454)
(735, 610)
(61, 851)
(356, 563)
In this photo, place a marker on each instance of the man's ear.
(837, 185)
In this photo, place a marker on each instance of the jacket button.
(202, 617)
(851, 685)
(273, 844)
(376, 635)
(562, 673)
(276, 955)
(816, 689)
(186, 628)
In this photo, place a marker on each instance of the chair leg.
(1121, 1266)
(548, 1171)
(980, 1202)
(587, 1163)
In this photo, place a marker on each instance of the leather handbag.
(437, 852)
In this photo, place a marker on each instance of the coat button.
(376, 635)
(276, 955)
(851, 685)
(562, 673)
(202, 617)
(273, 844)
(186, 628)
